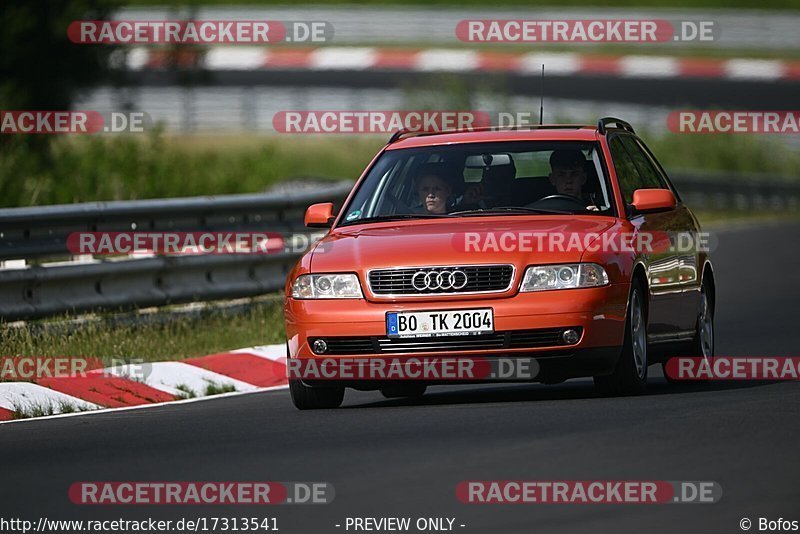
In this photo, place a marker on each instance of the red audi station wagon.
(504, 243)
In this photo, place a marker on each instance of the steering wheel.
(559, 202)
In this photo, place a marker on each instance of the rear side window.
(661, 173)
(627, 173)
(650, 176)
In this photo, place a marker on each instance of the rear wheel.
(630, 375)
(395, 392)
(703, 343)
(307, 398)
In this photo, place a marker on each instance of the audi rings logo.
(443, 280)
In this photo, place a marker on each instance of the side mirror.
(319, 215)
(653, 200)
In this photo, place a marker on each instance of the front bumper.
(598, 312)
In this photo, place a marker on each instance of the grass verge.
(200, 334)
(154, 166)
(39, 409)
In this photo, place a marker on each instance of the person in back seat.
(497, 185)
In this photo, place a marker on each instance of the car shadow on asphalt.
(571, 390)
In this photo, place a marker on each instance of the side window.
(392, 185)
(650, 176)
(627, 174)
(661, 172)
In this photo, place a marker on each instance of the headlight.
(326, 286)
(544, 277)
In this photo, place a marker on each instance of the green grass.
(182, 337)
(216, 389)
(185, 392)
(736, 154)
(155, 166)
(34, 409)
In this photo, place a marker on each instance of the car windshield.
(479, 179)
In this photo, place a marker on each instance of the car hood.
(462, 241)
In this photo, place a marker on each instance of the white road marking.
(167, 376)
(649, 66)
(343, 58)
(146, 406)
(27, 395)
(447, 60)
(235, 57)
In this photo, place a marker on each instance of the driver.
(568, 174)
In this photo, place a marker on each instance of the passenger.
(435, 194)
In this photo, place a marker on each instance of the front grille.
(479, 279)
(348, 345)
(512, 339)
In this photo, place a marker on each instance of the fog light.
(570, 336)
(319, 346)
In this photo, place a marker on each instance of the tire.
(630, 374)
(308, 398)
(703, 343)
(396, 392)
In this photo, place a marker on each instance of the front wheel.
(308, 398)
(630, 374)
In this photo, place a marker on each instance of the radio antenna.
(541, 98)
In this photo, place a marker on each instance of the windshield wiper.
(397, 217)
(510, 209)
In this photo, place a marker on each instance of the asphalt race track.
(398, 458)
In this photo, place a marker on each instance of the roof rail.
(606, 122)
(397, 135)
(403, 133)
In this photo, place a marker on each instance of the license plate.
(440, 323)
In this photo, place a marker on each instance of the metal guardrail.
(48, 289)
(718, 192)
(33, 232)
(43, 290)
